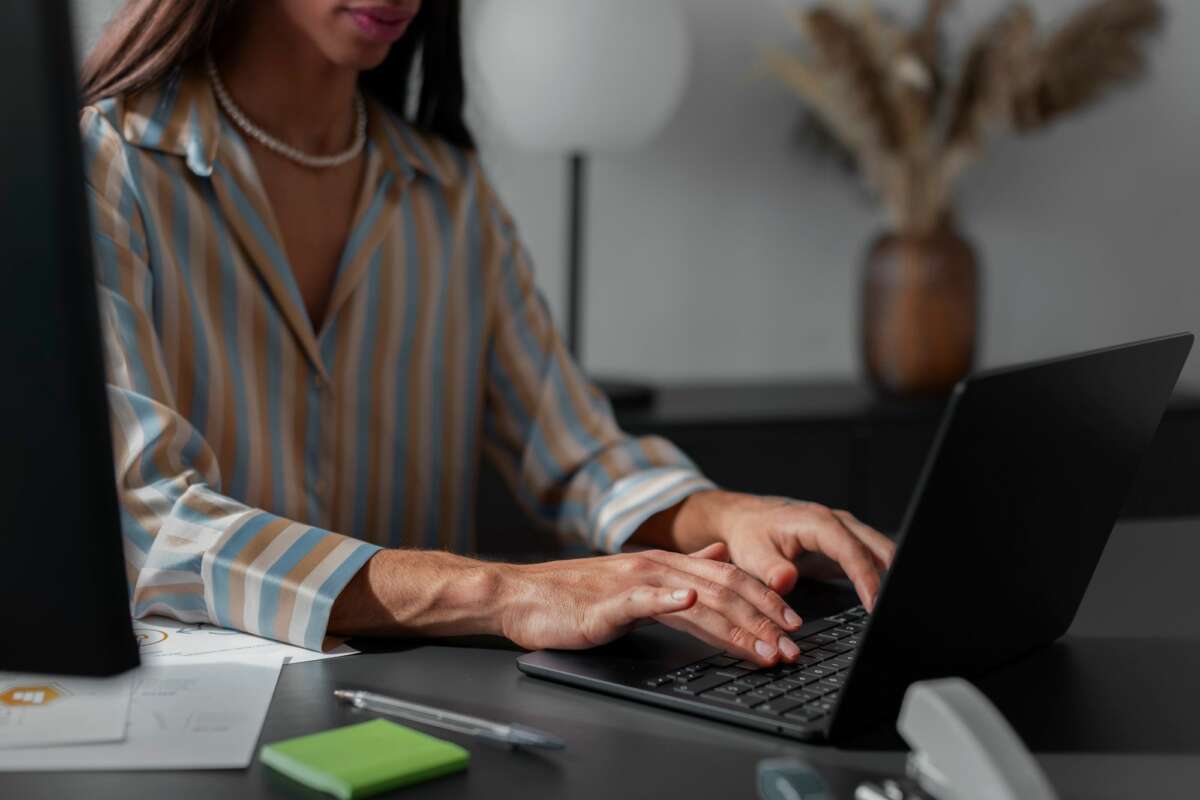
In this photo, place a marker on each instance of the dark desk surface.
(1120, 694)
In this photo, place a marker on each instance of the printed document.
(197, 712)
(41, 710)
(160, 636)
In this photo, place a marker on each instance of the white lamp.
(575, 77)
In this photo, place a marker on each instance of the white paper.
(42, 710)
(159, 637)
(190, 712)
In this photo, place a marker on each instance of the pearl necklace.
(283, 148)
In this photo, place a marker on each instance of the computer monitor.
(64, 599)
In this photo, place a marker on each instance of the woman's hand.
(585, 602)
(778, 540)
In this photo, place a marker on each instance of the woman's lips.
(382, 23)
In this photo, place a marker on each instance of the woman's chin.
(359, 55)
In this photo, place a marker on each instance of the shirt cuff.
(276, 578)
(637, 497)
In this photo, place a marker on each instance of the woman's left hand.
(778, 540)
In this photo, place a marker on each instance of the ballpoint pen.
(512, 733)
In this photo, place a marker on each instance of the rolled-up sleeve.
(191, 552)
(551, 433)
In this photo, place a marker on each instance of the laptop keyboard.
(802, 692)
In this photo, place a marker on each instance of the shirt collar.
(180, 116)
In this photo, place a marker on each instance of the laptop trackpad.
(646, 652)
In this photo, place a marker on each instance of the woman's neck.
(288, 87)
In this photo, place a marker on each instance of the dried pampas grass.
(881, 91)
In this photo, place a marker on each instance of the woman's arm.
(553, 436)
(548, 430)
(191, 552)
(567, 604)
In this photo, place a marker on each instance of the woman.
(318, 316)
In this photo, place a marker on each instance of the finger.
(745, 600)
(828, 535)
(883, 549)
(717, 551)
(643, 602)
(763, 558)
(710, 626)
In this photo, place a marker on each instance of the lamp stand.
(623, 394)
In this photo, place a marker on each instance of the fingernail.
(679, 594)
(792, 618)
(788, 648)
(763, 649)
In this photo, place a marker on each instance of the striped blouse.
(260, 462)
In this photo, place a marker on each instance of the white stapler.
(963, 749)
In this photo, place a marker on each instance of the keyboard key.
(805, 676)
(822, 654)
(749, 666)
(692, 676)
(805, 661)
(821, 638)
(808, 694)
(756, 696)
(755, 679)
(832, 683)
(852, 641)
(733, 672)
(810, 711)
(841, 632)
(702, 683)
(839, 647)
(822, 670)
(722, 661)
(737, 687)
(803, 714)
(778, 707)
(843, 661)
(654, 683)
(717, 696)
(775, 673)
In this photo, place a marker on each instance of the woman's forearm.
(686, 527)
(419, 593)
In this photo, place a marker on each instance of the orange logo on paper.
(29, 696)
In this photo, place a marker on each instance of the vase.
(920, 312)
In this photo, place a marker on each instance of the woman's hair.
(149, 38)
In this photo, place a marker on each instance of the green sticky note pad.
(364, 759)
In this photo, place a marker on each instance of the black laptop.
(1027, 474)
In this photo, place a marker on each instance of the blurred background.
(725, 250)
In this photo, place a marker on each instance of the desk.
(1146, 742)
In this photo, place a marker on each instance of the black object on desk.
(63, 593)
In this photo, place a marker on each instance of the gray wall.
(721, 251)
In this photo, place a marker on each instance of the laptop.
(1021, 488)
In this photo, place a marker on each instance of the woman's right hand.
(586, 602)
